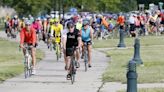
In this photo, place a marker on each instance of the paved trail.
(51, 76)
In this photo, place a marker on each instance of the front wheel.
(73, 72)
(26, 68)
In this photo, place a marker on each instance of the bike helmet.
(27, 22)
(56, 20)
(85, 22)
(70, 24)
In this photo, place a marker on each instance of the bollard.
(136, 56)
(121, 43)
(131, 77)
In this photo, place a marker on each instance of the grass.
(151, 54)
(11, 59)
(148, 90)
(145, 41)
(2, 26)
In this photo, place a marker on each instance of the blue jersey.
(86, 35)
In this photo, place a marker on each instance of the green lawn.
(11, 59)
(145, 41)
(2, 26)
(149, 90)
(151, 54)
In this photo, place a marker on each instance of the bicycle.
(58, 48)
(40, 35)
(28, 61)
(73, 66)
(49, 43)
(85, 55)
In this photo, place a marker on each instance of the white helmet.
(52, 16)
(45, 19)
(38, 18)
(27, 22)
(15, 16)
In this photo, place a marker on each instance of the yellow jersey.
(57, 30)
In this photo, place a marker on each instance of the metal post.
(121, 42)
(63, 8)
(131, 77)
(136, 57)
(59, 1)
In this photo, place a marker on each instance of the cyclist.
(56, 29)
(28, 36)
(45, 31)
(22, 23)
(15, 23)
(121, 21)
(79, 24)
(87, 36)
(72, 43)
(50, 23)
(8, 26)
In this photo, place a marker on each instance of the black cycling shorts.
(162, 22)
(69, 51)
(31, 44)
(121, 27)
(132, 27)
(88, 42)
(152, 23)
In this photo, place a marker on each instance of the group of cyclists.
(72, 34)
(11, 26)
(147, 23)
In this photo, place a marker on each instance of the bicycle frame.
(58, 51)
(28, 61)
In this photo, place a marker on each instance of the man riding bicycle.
(56, 29)
(72, 45)
(28, 36)
(15, 23)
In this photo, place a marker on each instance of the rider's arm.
(79, 39)
(33, 37)
(64, 41)
(52, 31)
(22, 36)
(91, 33)
(61, 29)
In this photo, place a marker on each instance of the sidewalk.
(51, 76)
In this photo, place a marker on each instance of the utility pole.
(59, 1)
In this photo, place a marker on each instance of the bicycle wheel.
(57, 52)
(51, 46)
(85, 61)
(73, 72)
(25, 68)
(30, 68)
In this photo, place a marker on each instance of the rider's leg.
(65, 59)
(82, 47)
(77, 57)
(33, 51)
(89, 54)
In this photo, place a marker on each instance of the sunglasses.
(70, 27)
(27, 24)
(86, 25)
